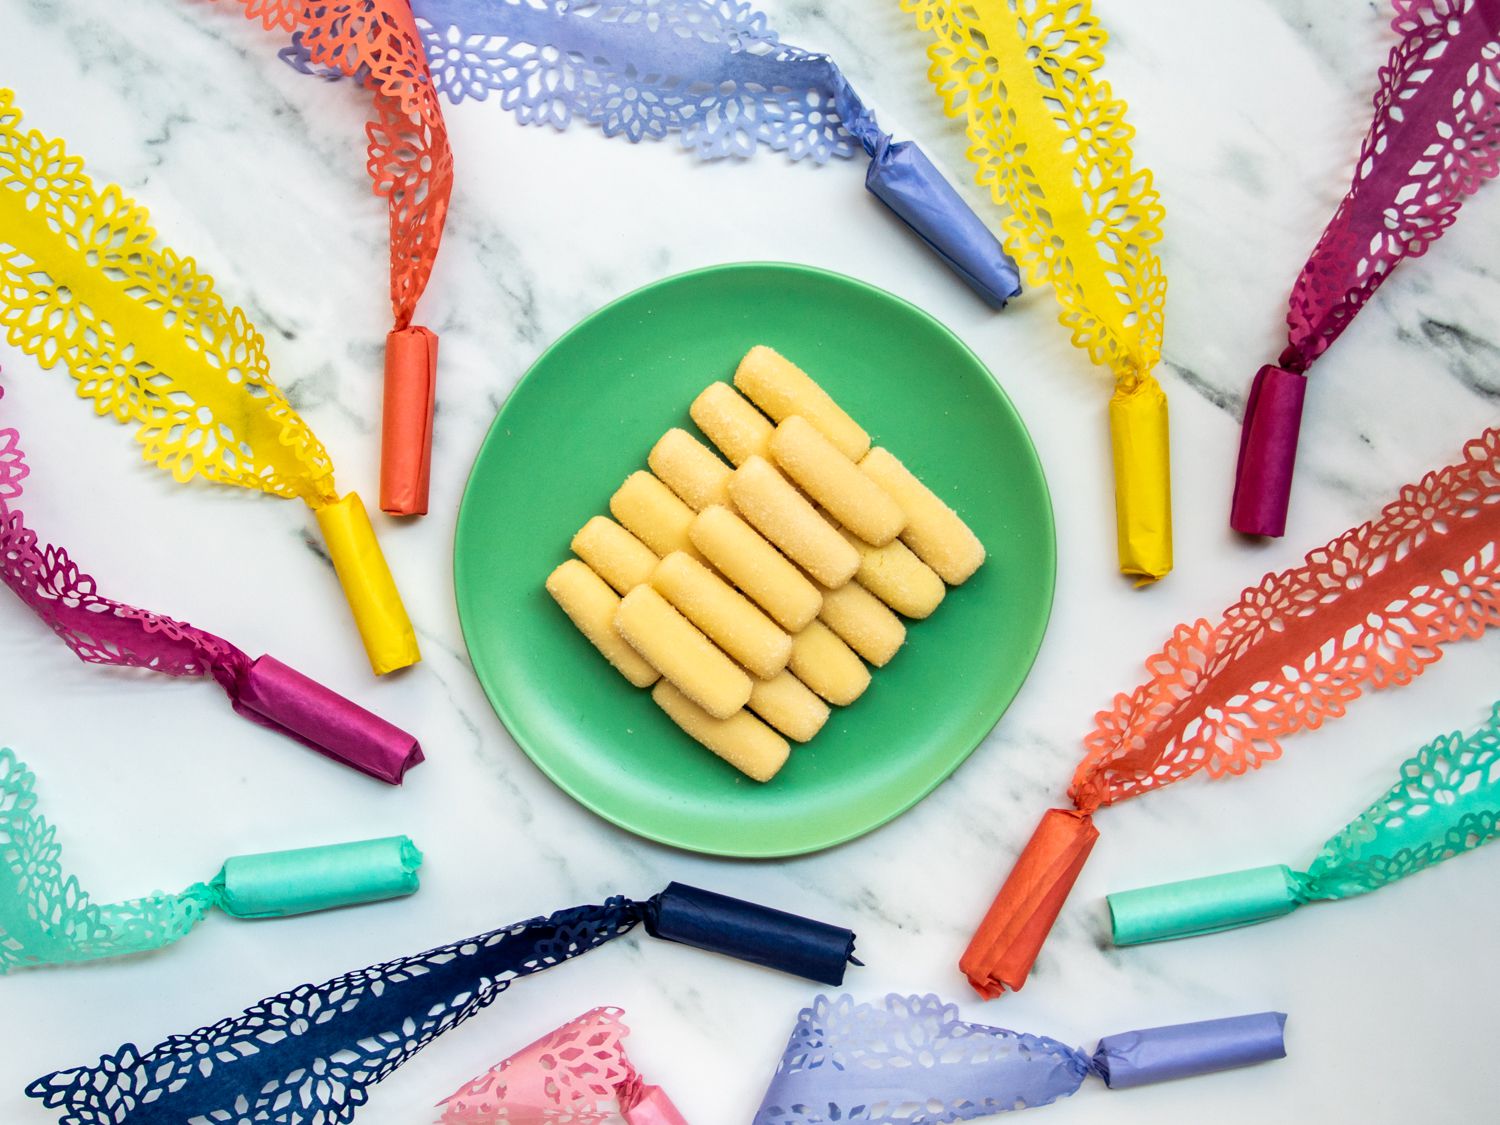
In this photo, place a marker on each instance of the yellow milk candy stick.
(782, 514)
(863, 622)
(898, 578)
(933, 530)
(742, 740)
(682, 654)
(828, 666)
(651, 512)
(738, 429)
(852, 498)
(591, 604)
(789, 705)
(687, 466)
(782, 389)
(728, 617)
(614, 554)
(757, 568)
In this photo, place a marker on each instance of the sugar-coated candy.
(743, 556)
(863, 622)
(852, 498)
(738, 429)
(828, 666)
(789, 705)
(652, 513)
(672, 645)
(933, 530)
(614, 554)
(779, 512)
(742, 740)
(591, 604)
(729, 618)
(689, 468)
(898, 578)
(782, 389)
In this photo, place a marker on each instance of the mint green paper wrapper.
(1446, 802)
(276, 884)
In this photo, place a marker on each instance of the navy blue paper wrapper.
(747, 931)
(1135, 1058)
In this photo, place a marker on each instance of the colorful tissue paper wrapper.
(1050, 142)
(912, 1058)
(1446, 801)
(354, 1030)
(577, 1073)
(46, 918)
(410, 164)
(84, 283)
(1434, 140)
(1371, 610)
(103, 631)
(713, 73)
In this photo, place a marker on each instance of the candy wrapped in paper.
(713, 73)
(1445, 802)
(1434, 141)
(356, 1029)
(911, 1059)
(577, 1073)
(85, 283)
(411, 167)
(46, 918)
(1050, 141)
(1371, 610)
(103, 631)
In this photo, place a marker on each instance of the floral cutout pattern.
(84, 284)
(1371, 610)
(1435, 140)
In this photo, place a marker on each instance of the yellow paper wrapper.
(1143, 486)
(390, 642)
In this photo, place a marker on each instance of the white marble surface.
(259, 173)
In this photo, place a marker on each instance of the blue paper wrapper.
(1135, 1058)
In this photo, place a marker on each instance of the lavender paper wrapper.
(1157, 1054)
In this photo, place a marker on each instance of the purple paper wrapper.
(1157, 1054)
(1268, 452)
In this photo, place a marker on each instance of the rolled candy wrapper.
(196, 385)
(713, 73)
(1446, 801)
(577, 1073)
(1292, 653)
(1102, 262)
(46, 918)
(406, 420)
(876, 1063)
(1434, 140)
(356, 1029)
(103, 631)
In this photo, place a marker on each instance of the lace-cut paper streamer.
(712, 72)
(1372, 609)
(46, 918)
(411, 167)
(1050, 142)
(103, 631)
(149, 342)
(309, 1055)
(1435, 140)
(910, 1060)
(1446, 802)
(578, 1073)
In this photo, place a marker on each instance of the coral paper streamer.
(1371, 610)
(411, 167)
(1434, 140)
(1051, 143)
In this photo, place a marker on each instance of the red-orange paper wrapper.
(406, 421)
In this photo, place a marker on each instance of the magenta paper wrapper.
(103, 631)
(1435, 140)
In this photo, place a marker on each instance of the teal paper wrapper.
(278, 884)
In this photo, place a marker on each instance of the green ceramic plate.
(586, 415)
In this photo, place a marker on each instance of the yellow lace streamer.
(1051, 144)
(84, 284)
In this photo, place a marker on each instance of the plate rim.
(666, 838)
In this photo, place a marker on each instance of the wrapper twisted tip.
(406, 420)
(1002, 950)
(1202, 906)
(389, 639)
(1268, 452)
(1141, 450)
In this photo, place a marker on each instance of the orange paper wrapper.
(406, 420)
